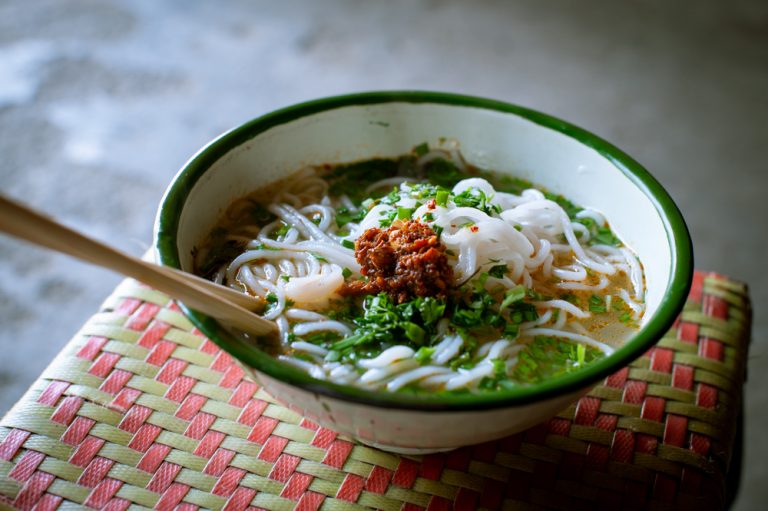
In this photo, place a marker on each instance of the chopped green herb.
(346, 273)
(441, 198)
(596, 304)
(348, 244)
(271, 298)
(404, 213)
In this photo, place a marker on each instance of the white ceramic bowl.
(507, 138)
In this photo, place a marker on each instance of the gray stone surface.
(101, 102)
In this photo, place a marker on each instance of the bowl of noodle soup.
(443, 270)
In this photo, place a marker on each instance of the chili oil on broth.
(503, 324)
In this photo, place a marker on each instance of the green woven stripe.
(639, 425)
(175, 319)
(188, 340)
(132, 289)
(205, 500)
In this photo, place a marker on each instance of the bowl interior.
(508, 139)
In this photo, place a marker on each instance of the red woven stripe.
(135, 417)
(675, 430)
(350, 488)
(232, 377)
(127, 306)
(715, 306)
(180, 388)
(653, 408)
(199, 425)
(227, 484)
(700, 444)
(144, 437)
(408, 506)
(153, 334)
(13, 443)
(378, 479)
(272, 449)
(323, 438)
(163, 477)
(243, 393)
(186, 506)
(606, 422)
(171, 370)
(95, 472)
(32, 490)
(209, 443)
(86, 451)
(91, 348)
(661, 360)
(160, 353)
(143, 315)
(337, 454)
(310, 501)
(284, 468)
(623, 446)
(191, 405)
(222, 362)
(262, 429)
(697, 287)
(618, 379)
(102, 493)
(77, 431)
(646, 443)
(240, 500)
(117, 504)
(125, 399)
(53, 392)
(688, 332)
(435, 504)
(207, 346)
(458, 459)
(48, 502)
(466, 500)
(26, 466)
(555, 426)
(711, 349)
(218, 462)
(586, 411)
(682, 377)
(297, 485)
(67, 410)
(252, 411)
(406, 473)
(306, 423)
(706, 396)
(172, 497)
(104, 364)
(115, 381)
(432, 466)
(634, 392)
(152, 459)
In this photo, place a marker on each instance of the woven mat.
(141, 411)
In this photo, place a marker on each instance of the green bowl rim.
(168, 216)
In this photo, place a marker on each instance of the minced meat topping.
(406, 260)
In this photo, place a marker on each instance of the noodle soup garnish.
(425, 273)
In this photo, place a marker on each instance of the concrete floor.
(101, 102)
